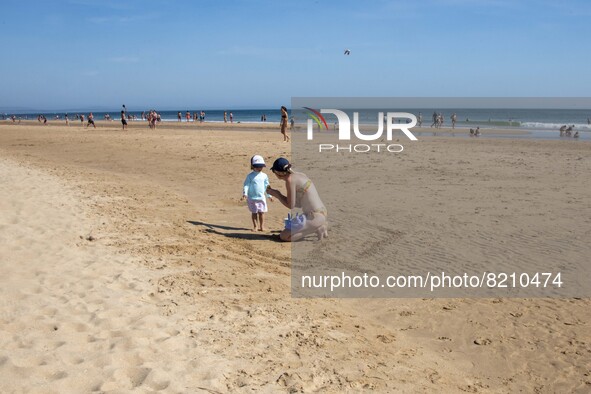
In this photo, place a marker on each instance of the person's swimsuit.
(300, 191)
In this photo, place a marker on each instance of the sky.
(171, 54)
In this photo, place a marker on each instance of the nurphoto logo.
(344, 127)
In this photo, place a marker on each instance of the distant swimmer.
(347, 52)
(562, 130)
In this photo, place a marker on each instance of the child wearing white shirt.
(255, 192)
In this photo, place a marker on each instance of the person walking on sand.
(90, 120)
(67, 120)
(231, 117)
(454, 119)
(225, 117)
(301, 193)
(255, 192)
(283, 123)
(123, 120)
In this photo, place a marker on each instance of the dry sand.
(126, 262)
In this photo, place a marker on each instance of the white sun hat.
(257, 161)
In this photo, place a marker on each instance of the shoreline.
(274, 127)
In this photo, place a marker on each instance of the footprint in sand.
(482, 341)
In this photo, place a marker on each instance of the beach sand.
(126, 261)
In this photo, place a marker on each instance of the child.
(255, 191)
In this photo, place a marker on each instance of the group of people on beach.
(567, 131)
(226, 117)
(300, 193)
(438, 120)
(196, 116)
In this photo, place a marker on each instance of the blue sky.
(255, 54)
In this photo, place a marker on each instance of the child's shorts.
(257, 206)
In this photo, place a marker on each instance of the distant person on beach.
(576, 135)
(301, 193)
(67, 120)
(420, 120)
(123, 120)
(454, 119)
(255, 192)
(90, 120)
(231, 117)
(179, 116)
(434, 117)
(188, 116)
(82, 119)
(291, 123)
(225, 117)
(283, 124)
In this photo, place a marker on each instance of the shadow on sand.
(247, 234)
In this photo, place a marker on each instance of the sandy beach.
(126, 262)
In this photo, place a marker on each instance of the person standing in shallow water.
(283, 123)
